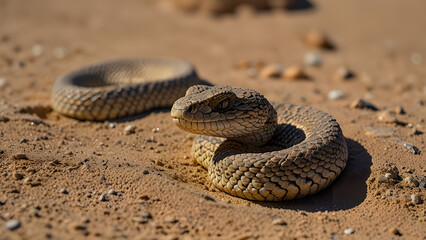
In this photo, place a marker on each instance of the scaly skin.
(122, 88)
(252, 150)
(259, 152)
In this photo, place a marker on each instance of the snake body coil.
(252, 149)
(269, 154)
(122, 88)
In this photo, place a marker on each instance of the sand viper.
(251, 148)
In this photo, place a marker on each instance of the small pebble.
(170, 220)
(3, 82)
(243, 64)
(159, 163)
(317, 39)
(383, 179)
(28, 180)
(19, 156)
(395, 231)
(4, 119)
(379, 131)
(422, 183)
(13, 224)
(18, 176)
(335, 94)
(387, 117)
(103, 197)
(151, 139)
(393, 172)
(111, 125)
(388, 176)
(415, 131)
(271, 71)
(140, 220)
(280, 222)
(143, 197)
(20, 64)
(60, 53)
(294, 72)
(63, 190)
(146, 215)
(410, 181)
(415, 199)
(362, 104)
(349, 231)
(37, 50)
(112, 192)
(36, 213)
(129, 129)
(343, 73)
(154, 130)
(313, 59)
(413, 149)
(209, 198)
(259, 65)
(399, 110)
(78, 227)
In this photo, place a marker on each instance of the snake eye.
(224, 104)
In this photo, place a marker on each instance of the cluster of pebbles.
(315, 39)
(403, 187)
(392, 117)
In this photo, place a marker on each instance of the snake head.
(224, 111)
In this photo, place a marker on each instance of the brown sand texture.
(364, 62)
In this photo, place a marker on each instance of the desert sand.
(62, 178)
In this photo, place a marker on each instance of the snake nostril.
(191, 109)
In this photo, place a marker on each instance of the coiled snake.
(251, 148)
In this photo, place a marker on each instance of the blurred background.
(381, 44)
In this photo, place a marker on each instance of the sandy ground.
(160, 191)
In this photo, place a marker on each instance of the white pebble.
(349, 231)
(103, 197)
(3, 82)
(60, 53)
(111, 125)
(112, 192)
(336, 94)
(313, 59)
(129, 129)
(37, 50)
(170, 220)
(415, 199)
(13, 224)
(63, 190)
(271, 71)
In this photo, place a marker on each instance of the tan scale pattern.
(304, 154)
(122, 88)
